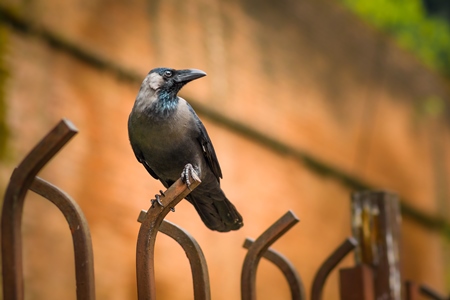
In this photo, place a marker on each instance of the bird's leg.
(189, 171)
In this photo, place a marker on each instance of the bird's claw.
(189, 171)
(157, 200)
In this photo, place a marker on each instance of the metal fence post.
(376, 222)
(24, 178)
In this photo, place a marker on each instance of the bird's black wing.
(207, 147)
(141, 159)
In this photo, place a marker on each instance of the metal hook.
(81, 237)
(290, 273)
(11, 223)
(150, 224)
(257, 250)
(330, 263)
(194, 253)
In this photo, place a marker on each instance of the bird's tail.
(217, 214)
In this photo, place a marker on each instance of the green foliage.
(407, 20)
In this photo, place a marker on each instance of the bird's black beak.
(188, 75)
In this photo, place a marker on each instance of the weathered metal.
(330, 263)
(375, 225)
(199, 267)
(290, 273)
(356, 283)
(81, 237)
(376, 222)
(197, 261)
(430, 293)
(20, 181)
(257, 250)
(412, 290)
(150, 223)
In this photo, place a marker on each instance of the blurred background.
(305, 102)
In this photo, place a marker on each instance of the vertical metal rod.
(412, 291)
(290, 273)
(194, 253)
(145, 248)
(356, 283)
(376, 223)
(81, 237)
(257, 250)
(330, 263)
(11, 219)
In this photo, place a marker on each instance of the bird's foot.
(189, 171)
(157, 200)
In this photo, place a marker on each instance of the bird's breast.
(167, 144)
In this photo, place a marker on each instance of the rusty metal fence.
(375, 224)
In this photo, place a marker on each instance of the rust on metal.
(330, 263)
(81, 237)
(290, 273)
(150, 224)
(430, 293)
(356, 283)
(194, 253)
(412, 290)
(257, 250)
(11, 223)
(376, 223)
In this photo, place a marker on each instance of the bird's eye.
(168, 74)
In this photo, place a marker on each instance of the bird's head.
(169, 81)
(158, 93)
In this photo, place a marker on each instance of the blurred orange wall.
(306, 73)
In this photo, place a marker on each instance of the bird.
(170, 141)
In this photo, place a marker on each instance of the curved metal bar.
(151, 221)
(430, 293)
(257, 250)
(194, 253)
(290, 273)
(81, 237)
(319, 280)
(11, 223)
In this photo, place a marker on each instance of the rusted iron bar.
(81, 237)
(412, 290)
(20, 181)
(194, 253)
(430, 293)
(150, 224)
(257, 250)
(290, 273)
(376, 222)
(330, 263)
(356, 283)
